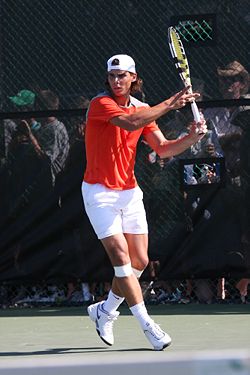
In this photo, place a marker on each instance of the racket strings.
(179, 56)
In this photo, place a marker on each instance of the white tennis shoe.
(156, 336)
(103, 321)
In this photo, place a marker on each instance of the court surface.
(68, 332)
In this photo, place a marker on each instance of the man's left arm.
(167, 148)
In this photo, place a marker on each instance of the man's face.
(120, 81)
(231, 87)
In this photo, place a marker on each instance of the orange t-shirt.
(111, 150)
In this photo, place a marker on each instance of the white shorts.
(114, 211)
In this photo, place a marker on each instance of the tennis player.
(112, 197)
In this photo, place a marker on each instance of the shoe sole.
(164, 347)
(106, 342)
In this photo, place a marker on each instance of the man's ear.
(134, 77)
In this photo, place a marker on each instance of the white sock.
(140, 312)
(112, 302)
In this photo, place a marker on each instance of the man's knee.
(137, 272)
(139, 266)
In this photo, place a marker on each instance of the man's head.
(233, 80)
(122, 78)
(45, 100)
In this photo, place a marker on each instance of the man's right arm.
(141, 118)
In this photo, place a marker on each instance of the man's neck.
(123, 101)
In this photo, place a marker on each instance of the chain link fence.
(63, 46)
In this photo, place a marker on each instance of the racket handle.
(196, 113)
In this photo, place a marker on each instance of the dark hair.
(136, 86)
(46, 99)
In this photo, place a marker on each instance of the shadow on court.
(63, 351)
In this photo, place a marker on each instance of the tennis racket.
(181, 63)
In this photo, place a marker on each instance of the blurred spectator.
(23, 101)
(233, 84)
(52, 135)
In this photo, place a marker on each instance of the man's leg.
(137, 247)
(104, 314)
(126, 284)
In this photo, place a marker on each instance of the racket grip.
(196, 113)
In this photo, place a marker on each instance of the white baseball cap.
(121, 62)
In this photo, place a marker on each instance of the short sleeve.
(103, 108)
